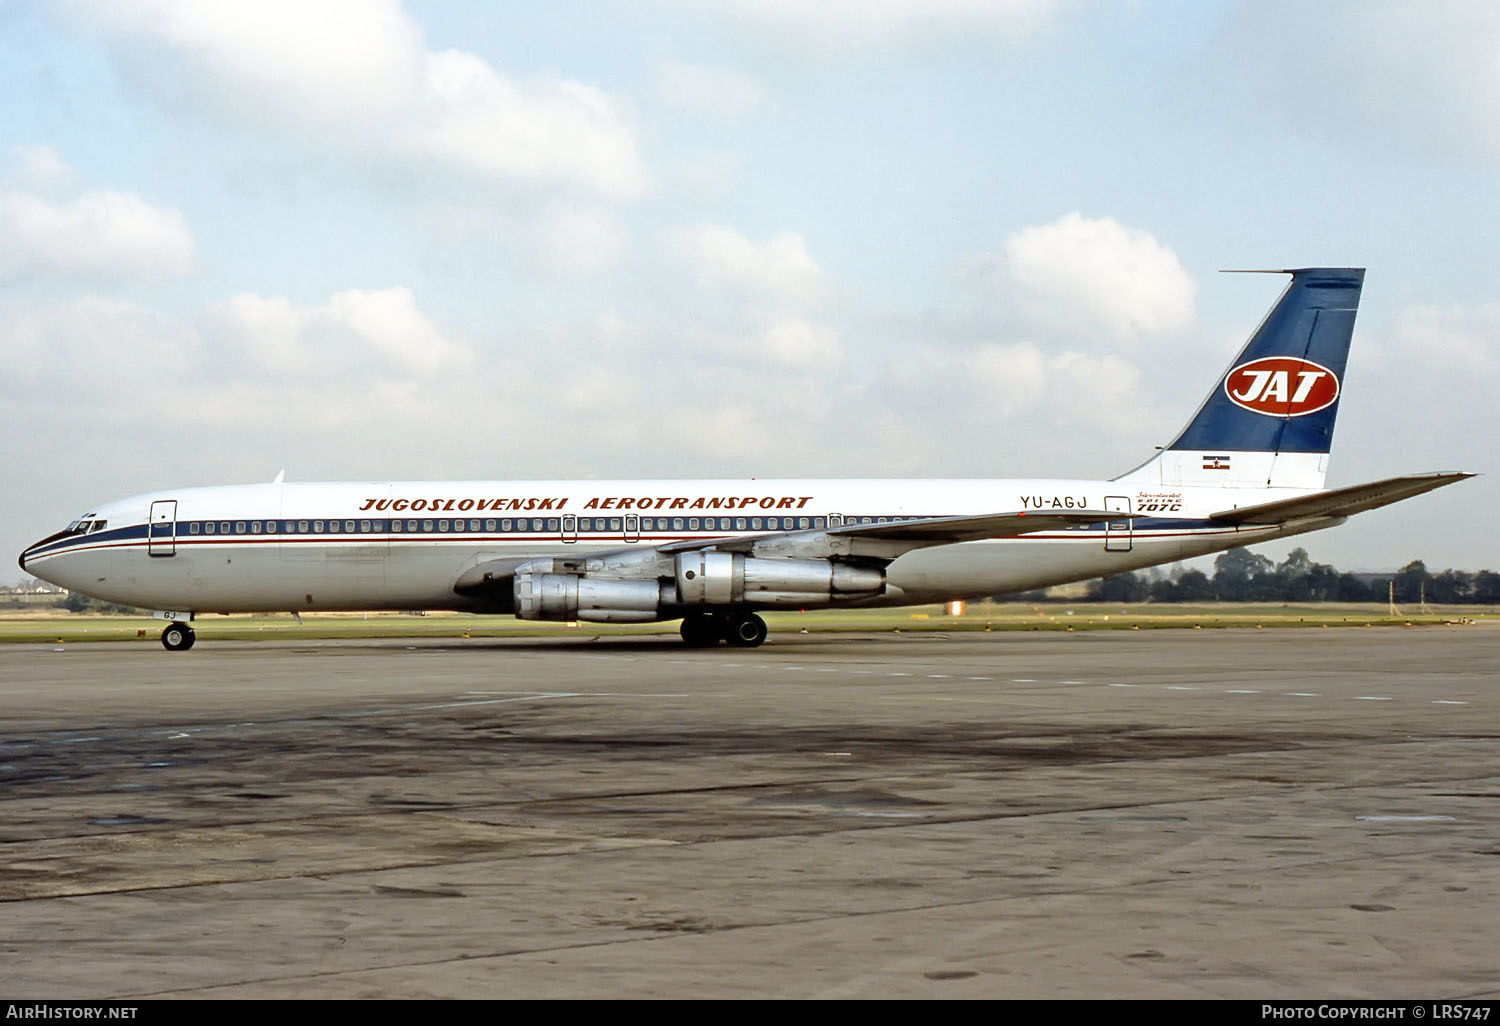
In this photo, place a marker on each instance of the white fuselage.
(349, 546)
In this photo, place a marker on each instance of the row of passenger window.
(585, 525)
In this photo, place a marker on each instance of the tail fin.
(1268, 423)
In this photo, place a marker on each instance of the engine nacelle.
(571, 597)
(724, 579)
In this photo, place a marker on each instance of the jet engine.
(707, 578)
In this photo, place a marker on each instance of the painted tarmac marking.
(1405, 819)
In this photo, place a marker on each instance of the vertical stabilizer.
(1268, 423)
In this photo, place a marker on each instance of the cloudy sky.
(370, 239)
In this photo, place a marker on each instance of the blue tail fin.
(1269, 420)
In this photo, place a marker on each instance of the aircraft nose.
(31, 550)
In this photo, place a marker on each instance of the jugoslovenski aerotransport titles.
(1249, 467)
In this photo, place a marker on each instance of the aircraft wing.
(911, 534)
(877, 543)
(1340, 502)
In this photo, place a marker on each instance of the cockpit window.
(99, 525)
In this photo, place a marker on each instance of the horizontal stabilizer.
(1340, 502)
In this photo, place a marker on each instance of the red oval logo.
(1282, 386)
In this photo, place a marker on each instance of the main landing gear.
(739, 628)
(178, 637)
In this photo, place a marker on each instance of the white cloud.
(98, 234)
(93, 353)
(719, 92)
(799, 343)
(341, 336)
(840, 26)
(41, 169)
(779, 268)
(1083, 276)
(578, 240)
(1013, 376)
(1423, 78)
(356, 76)
(1461, 339)
(388, 321)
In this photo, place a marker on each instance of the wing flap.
(1340, 502)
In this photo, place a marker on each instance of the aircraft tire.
(701, 630)
(178, 637)
(745, 630)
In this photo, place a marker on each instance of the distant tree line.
(1243, 576)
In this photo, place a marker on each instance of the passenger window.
(427, 526)
(302, 527)
(505, 525)
(239, 527)
(473, 525)
(739, 523)
(443, 526)
(333, 527)
(208, 528)
(317, 527)
(224, 527)
(489, 525)
(193, 527)
(395, 525)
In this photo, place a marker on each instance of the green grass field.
(57, 627)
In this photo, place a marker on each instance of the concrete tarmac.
(1251, 814)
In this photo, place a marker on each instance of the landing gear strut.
(741, 629)
(178, 637)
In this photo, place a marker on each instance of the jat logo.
(1282, 386)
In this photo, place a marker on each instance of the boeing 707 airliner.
(1249, 467)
